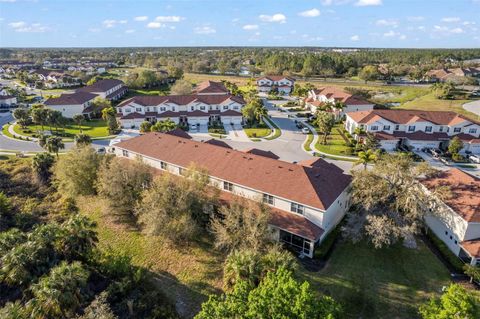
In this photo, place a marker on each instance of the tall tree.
(41, 165)
(163, 126)
(455, 302)
(181, 87)
(54, 144)
(22, 115)
(78, 119)
(82, 140)
(39, 116)
(109, 116)
(455, 145)
(325, 122)
(366, 157)
(369, 73)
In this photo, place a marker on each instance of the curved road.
(473, 107)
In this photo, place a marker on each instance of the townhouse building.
(415, 129)
(281, 84)
(456, 219)
(318, 98)
(456, 75)
(307, 199)
(110, 89)
(200, 109)
(72, 104)
(56, 78)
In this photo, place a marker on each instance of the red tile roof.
(210, 87)
(256, 151)
(101, 85)
(472, 246)
(71, 99)
(312, 186)
(465, 190)
(340, 95)
(405, 116)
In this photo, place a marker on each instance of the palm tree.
(79, 238)
(58, 295)
(78, 119)
(241, 265)
(41, 164)
(39, 116)
(472, 271)
(260, 112)
(53, 118)
(82, 140)
(366, 158)
(42, 140)
(54, 144)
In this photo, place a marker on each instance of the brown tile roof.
(313, 186)
(405, 116)
(422, 136)
(101, 85)
(256, 151)
(472, 246)
(154, 100)
(210, 87)
(179, 133)
(71, 99)
(465, 190)
(341, 96)
(218, 143)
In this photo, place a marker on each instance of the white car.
(474, 158)
(305, 130)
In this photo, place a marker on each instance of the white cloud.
(94, 30)
(451, 19)
(129, 31)
(365, 3)
(278, 17)
(110, 23)
(169, 19)
(327, 2)
(387, 22)
(8, 0)
(402, 37)
(250, 27)
(446, 30)
(456, 30)
(21, 26)
(468, 23)
(390, 33)
(141, 18)
(155, 25)
(204, 30)
(354, 38)
(416, 18)
(310, 13)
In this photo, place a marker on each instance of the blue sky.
(344, 23)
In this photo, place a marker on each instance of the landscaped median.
(277, 132)
(96, 129)
(336, 143)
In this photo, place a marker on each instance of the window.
(446, 232)
(228, 186)
(397, 127)
(374, 128)
(411, 128)
(297, 208)
(202, 107)
(225, 107)
(428, 129)
(192, 108)
(125, 153)
(235, 107)
(457, 130)
(163, 165)
(472, 131)
(128, 110)
(268, 199)
(456, 242)
(386, 127)
(440, 129)
(138, 109)
(163, 108)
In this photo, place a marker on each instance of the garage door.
(475, 149)
(226, 119)
(236, 120)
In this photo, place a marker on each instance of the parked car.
(445, 161)
(305, 130)
(101, 150)
(474, 159)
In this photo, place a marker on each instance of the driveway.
(473, 107)
(235, 132)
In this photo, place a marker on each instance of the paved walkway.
(235, 132)
(473, 107)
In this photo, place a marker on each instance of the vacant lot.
(380, 283)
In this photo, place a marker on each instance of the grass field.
(257, 132)
(93, 128)
(5, 130)
(383, 283)
(335, 143)
(186, 273)
(308, 142)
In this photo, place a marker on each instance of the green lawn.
(257, 132)
(307, 143)
(94, 128)
(277, 132)
(187, 273)
(5, 131)
(383, 283)
(335, 143)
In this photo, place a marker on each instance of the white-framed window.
(374, 128)
(155, 109)
(225, 107)
(163, 165)
(297, 208)
(457, 130)
(411, 128)
(440, 128)
(163, 108)
(268, 199)
(128, 110)
(125, 153)
(472, 131)
(386, 127)
(428, 129)
(228, 186)
(397, 127)
(235, 107)
(138, 109)
(202, 107)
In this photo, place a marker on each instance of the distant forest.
(325, 62)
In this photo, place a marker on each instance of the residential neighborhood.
(220, 160)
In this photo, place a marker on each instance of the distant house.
(320, 97)
(210, 88)
(453, 75)
(7, 100)
(56, 78)
(415, 129)
(456, 221)
(281, 84)
(110, 89)
(72, 104)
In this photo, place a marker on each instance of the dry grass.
(186, 273)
